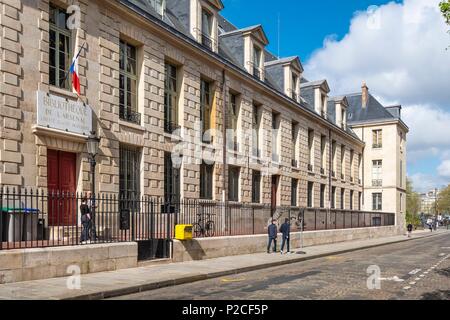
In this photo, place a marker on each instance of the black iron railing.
(32, 219)
(129, 115)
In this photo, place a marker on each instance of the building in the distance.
(158, 76)
(428, 201)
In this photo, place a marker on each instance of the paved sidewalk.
(122, 282)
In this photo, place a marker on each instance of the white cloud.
(399, 49)
(444, 169)
(426, 182)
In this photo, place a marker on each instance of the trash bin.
(20, 224)
(183, 232)
(31, 221)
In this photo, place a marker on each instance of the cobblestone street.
(415, 269)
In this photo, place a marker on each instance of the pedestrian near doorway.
(85, 220)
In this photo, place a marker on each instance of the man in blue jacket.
(285, 229)
(273, 234)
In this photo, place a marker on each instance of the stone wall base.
(44, 263)
(202, 249)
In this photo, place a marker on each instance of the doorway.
(274, 194)
(61, 184)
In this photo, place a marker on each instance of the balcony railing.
(207, 41)
(377, 146)
(170, 127)
(129, 115)
(377, 183)
(257, 72)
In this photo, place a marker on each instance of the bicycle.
(201, 229)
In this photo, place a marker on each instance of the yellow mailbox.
(183, 232)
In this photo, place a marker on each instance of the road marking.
(441, 254)
(232, 280)
(446, 248)
(417, 279)
(407, 288)
(422, 275)
(426, 272)
(396, 279)
(412, 283)
(416, 271)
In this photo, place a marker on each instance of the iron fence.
(32, 219)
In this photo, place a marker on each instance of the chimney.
(365, 95)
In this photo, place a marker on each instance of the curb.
(200, 277)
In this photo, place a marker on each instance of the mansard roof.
(295, 61)
(257, 31)
(323, 84)
(373, 111)
(216, 3)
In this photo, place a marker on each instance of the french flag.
(74, 71)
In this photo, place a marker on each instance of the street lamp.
(93, 143)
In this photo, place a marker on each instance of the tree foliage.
(445, 9)
(443, 202)
(412, 204)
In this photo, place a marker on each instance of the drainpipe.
(224, 146)
(330, 167)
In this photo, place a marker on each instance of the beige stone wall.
(44, 263)
(203, 249)
(24, 70)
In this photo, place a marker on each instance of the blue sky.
(403, 60)
(304, 24)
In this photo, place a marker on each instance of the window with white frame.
(207, 29)
(377, 173)
(377, 201)
(377, 139)
(257, 56)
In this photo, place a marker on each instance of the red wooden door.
(274, 193)
(61, 181)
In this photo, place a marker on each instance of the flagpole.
(68, 71)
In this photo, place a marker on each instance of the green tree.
(443, 201)
(445, 9)
(412, 204)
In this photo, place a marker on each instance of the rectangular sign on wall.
(59, 113)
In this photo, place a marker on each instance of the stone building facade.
(222, 74)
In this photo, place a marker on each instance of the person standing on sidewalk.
(273, 234)
(410, 229)
(285, 229)
(85, 220)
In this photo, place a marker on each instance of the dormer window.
(207, 29)
(324, 105)
(201, 17)
(257, 55)
(158, 6)
(294, 88)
